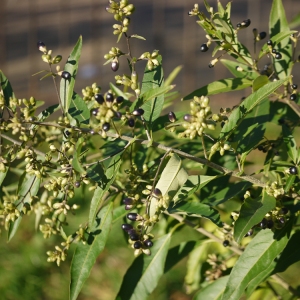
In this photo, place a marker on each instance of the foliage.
(159, 172)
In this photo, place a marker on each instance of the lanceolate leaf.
(220, 86)
(144, 274)
(6, 88)
(78, 110)
(29, 187)
(290, 144)
(197, 209)
(67, 86)
(239, 70)
(110, 175)
(248, 104)
(252, 212)
(76, 162)
(214, 291)
(85, 255)
(258, 255)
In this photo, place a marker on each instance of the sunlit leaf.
(259, 82)
(239, 69)
(79, 110)
(290, 144)
(6, 88)
(85, 255)
(76, 161)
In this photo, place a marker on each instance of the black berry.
(109, 97)
(172, 117)
(99, 98)
(132, 216)
(128, 201)
(41, 45)
(118, 114)
(293, 170)
(203, 48)
(281, 220)
(211, 65)
(126, 227)
(157, 192)
(77, 184)
(119, 99)
(270, 224)
(269, 43)
(134, 237)
(137, 245)
(278, 55)
(294, 86)
(115, 66)
(244, 24)
(66, 75)
(262, 35)
(148, 243)
(293, 97)
(138, 112)
(187, 118)
(281, 121)
(95, 112)
(263, 223)
(249, 233)
(106, 126)
(131, 122)
(226, 243)
(284, 210)
(274, 51)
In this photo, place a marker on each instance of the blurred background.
(165, 24)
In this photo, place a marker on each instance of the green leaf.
(278, 23)
(29, 187)
(3, 175)
(197, 209)
(67, 87)
(290, 143)
(172, 76)
(251, 213)
(137, 37)
(76, 162)
(295, 22)
(259, 82)
(248, 104)
(6, 88)
(239, 70)
(110, 175)
(85, 255)
(258, 255)
(153, 89)
(191, 185)
(79, 110)
(96, 173)
(144, 274)
(213, 291)
(220, 86)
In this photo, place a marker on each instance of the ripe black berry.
(119, 99)
(115, 66)
(148, 243)
(281, 220)
(249, 233)
(137, 245)
(270, 224)
(41, 45)
(77, 184)
(66, 75)
(132, 216)
(294, 86)
(118, 114)
(284, 210)
(126, 227)
(293, 97)
(274, 51)
(262, 35)
(187, 118)
(263, 223)
(278, 55)
(95, 112)
(138, 112)
(211, 65)
(134, 236)
(131, 122)
(226, 243)
(99, 98)
(109, 97)
(106, 126)
(203, 48)
(244, 24)
(157, 192)
(172, 117)
(281, 121)
(293, 170)
(269, 43)
(128, 201)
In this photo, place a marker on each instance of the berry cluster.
(197, 121)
